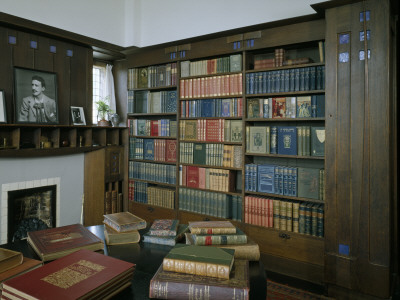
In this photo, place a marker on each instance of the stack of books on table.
(83, 274)
(222, 234)
(53, 243)
(165, 232)
(13, 264)
(200, 272)
(122, 228)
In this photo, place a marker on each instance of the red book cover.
(213, 133)
(192, 176)
(182, 89)
(279, 107)
(154, 128)
(56, 242)
(202, 178)
(82, 274)
(170, 151)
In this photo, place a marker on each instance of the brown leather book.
(9, 259)
(27, 265)
(172, 285)
(80, 275)
(124, 221)
(57, 242)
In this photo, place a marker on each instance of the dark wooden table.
(148, 257)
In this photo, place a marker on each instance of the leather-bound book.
(80, 275)
(9, 259)
(27, 265)
(124, 221)
(53, 243)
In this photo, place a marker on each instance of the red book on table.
(83, 274)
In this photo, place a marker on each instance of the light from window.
(98, 79)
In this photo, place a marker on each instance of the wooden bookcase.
(359, 202)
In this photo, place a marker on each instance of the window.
(99, 73)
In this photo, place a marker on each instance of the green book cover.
(308, 183)
(202, 254)
(317, 141)
(236, 62)
(258, 139)
(199, 154)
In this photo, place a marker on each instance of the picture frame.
(78, 115)
(3, 111)
(35, 96)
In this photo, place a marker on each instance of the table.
(148, 257)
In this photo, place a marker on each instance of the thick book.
(249, 250)
(80, 275)
(57, 242)
(166, 240)
(287, 140)
(258, 139)
(27, 265)
(9, 259)
(113, 237)
(219, 239)
(180, 286)
(170, 149)
(164, 227)
(124, 221)
(212, 227)
(317, 141)
(308, 182)
(199, 260)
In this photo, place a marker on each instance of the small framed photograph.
(3, 112)
(35, 96)
(78, 116)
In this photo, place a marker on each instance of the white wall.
(148, 22)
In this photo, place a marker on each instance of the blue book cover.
(171, 104)
(226, 108)
(276, 179)
(287, 140)
(318, 106)
(266, 174)
(274, 140)
(148, 148)
(208, 108)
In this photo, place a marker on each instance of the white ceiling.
(147, 22)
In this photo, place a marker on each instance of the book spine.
(219, 239)
(187, 290)
(196, 268)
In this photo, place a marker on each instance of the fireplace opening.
(30, 210)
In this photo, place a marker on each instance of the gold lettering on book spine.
(73, 274)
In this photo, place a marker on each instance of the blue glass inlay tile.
(362, 35)
(344, 249)
(344, 38)
(367, 15)
(53, 49)
(12, 39)
(238, 45)
(368, 34)
(234, 45)
(344, 57)
(361, 55)
(33, 44)
(70, 53)
(252, 43)
(362, 16)
(369, 54)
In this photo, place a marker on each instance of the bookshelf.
(152, 123)
(356, 204)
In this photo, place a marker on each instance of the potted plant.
(103, 109)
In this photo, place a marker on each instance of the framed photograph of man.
(35, 96)
(78, 116)
(3, 112)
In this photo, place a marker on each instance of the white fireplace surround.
(15, 186)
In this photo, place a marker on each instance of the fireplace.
(27, 206)
(31, 209)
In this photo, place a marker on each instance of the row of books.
(232, 63)
(113, 201)
(143, 192)
(214, 86)
(152, 102)
(207, 178)
(145, 127)
(286, 107)
(206, 108)
(287, 80)
(210, 203)
(152, 76)
(300, 217)
(218, 155)
(283, 180)
(152, 149)
(286, 140)
(211, 130)
(152, 172)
